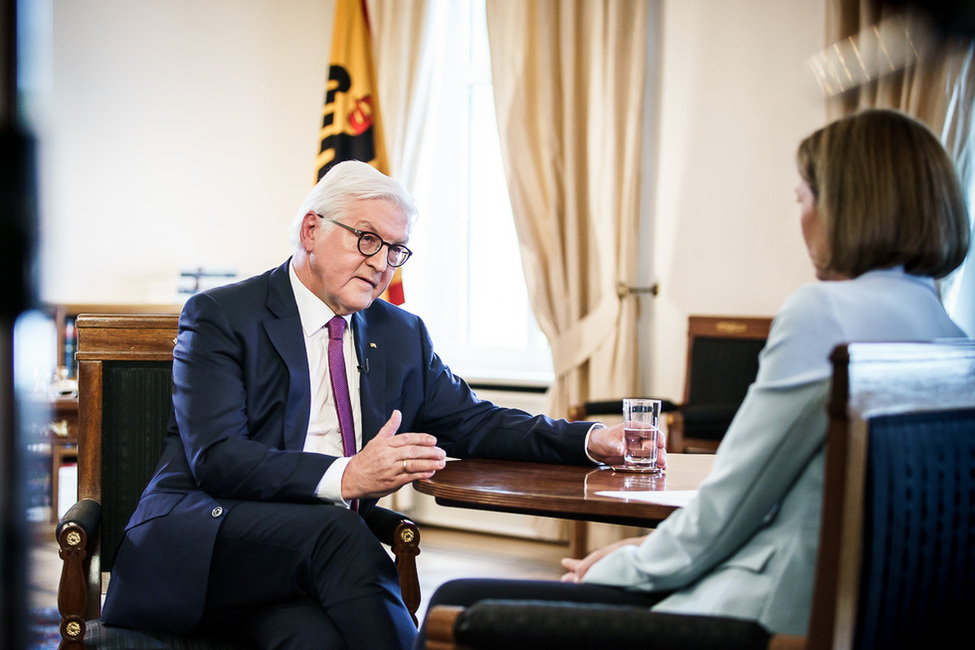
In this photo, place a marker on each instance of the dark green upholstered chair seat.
(493, 624)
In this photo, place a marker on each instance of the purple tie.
(340, 384)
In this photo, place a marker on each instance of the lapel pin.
(372, 345)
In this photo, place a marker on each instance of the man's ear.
(310, 228)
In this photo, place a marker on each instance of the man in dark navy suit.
(251, 526)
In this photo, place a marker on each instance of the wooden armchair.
(722, 362)
(896, 564)
(125, 399)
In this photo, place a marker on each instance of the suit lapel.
(284, 331)
(372, 376)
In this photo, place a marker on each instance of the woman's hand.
(577, 568)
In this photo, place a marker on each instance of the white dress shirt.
(323, 435)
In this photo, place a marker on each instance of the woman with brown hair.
(883, 215)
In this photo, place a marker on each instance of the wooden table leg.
(578, 539)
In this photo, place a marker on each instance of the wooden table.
(563, 491)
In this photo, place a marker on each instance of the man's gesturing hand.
(388, 462)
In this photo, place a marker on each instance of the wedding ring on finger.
(405, 471)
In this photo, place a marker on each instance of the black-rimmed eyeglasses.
(370, 243)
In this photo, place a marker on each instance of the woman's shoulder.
(841, 300)
(807, 310)
(886, 304)
(803, 334)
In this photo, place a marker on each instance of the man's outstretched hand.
(606, 446)
(389, 461)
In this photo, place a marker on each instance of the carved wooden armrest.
(402, 535)
(77, 535)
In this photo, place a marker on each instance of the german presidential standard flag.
(351, 128)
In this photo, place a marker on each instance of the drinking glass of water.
(640, 429)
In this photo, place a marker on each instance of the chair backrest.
(722, 362)
(722, 357)
(124, 403)
(896, 563)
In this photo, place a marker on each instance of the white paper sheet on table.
(676, 498)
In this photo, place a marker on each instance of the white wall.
(183, 133)
(736, 96)
(178, 134)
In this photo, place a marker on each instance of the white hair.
(343, 185)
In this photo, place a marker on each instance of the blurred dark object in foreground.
(17, 223)
(18, 219)
(17, 244)
(948, 17)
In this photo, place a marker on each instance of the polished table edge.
(495, 485)
(645, 519)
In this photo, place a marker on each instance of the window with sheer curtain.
(466, 279)
(937, 87)
(958, 293)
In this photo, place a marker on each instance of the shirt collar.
(312, 311)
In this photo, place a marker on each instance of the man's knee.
(296, 625)
(346, 529)
(347, 554)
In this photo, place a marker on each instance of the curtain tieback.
(571, 349)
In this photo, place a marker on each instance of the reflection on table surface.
(565, 491)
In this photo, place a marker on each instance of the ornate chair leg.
(73, 589)
(406, 546)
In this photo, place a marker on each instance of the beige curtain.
(568, 79)
(937, 86)
(403, 32)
